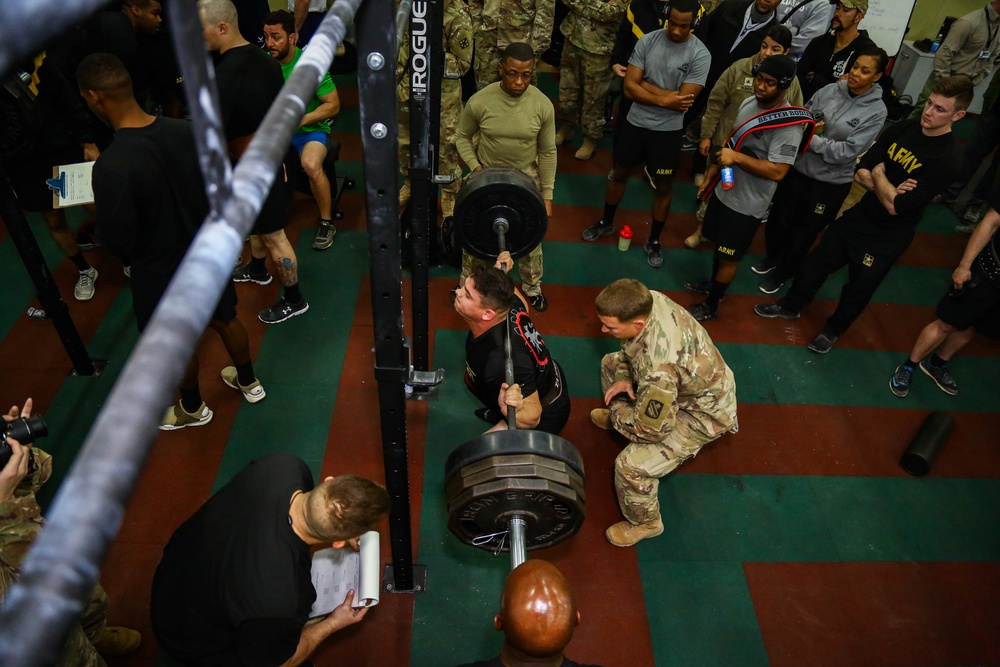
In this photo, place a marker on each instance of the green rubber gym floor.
(797, 541)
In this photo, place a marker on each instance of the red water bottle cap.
(626, 232)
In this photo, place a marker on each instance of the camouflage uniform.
(497, 23)
(457, 39)
(685, 398)
(20, 522)
(585, 73)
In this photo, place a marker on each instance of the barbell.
(497, 209)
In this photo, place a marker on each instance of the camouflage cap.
(860, 5)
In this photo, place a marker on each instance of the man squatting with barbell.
(668, 390)
(493, 310)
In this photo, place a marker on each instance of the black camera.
(23, 429)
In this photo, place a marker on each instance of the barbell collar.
(518, 553)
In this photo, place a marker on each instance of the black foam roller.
(933, 433)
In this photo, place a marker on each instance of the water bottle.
(727, 178)
(937, 42)
(624, 238)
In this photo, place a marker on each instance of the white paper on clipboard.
(71, 184)
(336, 571)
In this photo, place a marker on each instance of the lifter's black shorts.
(29, 174)
(659, 149)
(731, 230)
(977, 305)
(147, 289)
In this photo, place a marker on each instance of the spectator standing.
(831, 55)
(585, 70)
(496, 24)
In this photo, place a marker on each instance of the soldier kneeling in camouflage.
(668, 390)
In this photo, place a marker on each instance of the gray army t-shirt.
(667, 65)
(752, 194)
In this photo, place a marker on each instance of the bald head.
(220, 25)
(537, 610)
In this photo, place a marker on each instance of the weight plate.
(515, 460)
(461, 483)
(498, 443)
(493, 194)
(552, 512)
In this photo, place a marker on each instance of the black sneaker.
(489, 415)
(899, 383)
(822, 343)
(538, 302)
(775, 309)
(702, 286)
(282, 311)
(653, 255)
(597, 230)
(966, 228)
(703, 312)
(974, 213)
(687, 145)
(324, 235)
(764, 266)
(241, 274)
(942, 378)
(771, 284)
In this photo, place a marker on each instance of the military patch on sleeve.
(655, 407)
(464, 43)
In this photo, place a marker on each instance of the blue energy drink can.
(727, 178)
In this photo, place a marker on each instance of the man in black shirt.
(249, 80)
(234, 585)
(493, 310)
(910, 163)
(831, 55)
(537, 617)
(973, 304)
(151, 197)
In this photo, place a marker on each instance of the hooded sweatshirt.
(851, 125)
(821, 65)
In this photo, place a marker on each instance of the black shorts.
(976, 305)
(149, 288)
(730, 230)
(28, 176)
(659, 149)
(274, 213)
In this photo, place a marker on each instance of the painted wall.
(928, 15)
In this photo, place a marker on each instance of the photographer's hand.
(17, 467)
(15, 470)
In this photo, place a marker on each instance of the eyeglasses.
(525, 76)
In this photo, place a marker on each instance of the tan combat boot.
(564, 134)
(117, 641)
(626, 534)
(601, 418)
(695, 239)
(587, 149)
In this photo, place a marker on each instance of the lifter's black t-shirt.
(534, 368)
(234, 584)
(907, 153)
(249, 79)
(150, 193)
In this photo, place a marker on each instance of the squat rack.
(87, 511)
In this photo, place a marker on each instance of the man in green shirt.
(516, 126)
(310, 139)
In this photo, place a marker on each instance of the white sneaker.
(84, 290)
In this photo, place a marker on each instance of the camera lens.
(26, 429)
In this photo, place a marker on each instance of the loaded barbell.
(497, 209)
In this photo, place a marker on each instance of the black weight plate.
(552, 512)
(515, 460)
(461, 483)
(499, 192)
(513, 442)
